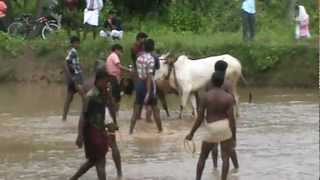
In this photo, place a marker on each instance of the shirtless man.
(220, 124)
(227, 86)
(92, 131)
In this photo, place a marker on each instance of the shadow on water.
(277, 138)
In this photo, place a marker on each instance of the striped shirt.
(73, 61)
(145, 65)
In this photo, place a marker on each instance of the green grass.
(269, 51)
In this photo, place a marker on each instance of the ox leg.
(163, 100)
(184, 99)
(193, 100)
(236, 107)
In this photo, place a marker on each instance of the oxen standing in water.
(189, 76)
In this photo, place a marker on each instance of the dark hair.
(116, 47)
(217, 78)
(149, 45)
(101, 75)
(74, 39)
(141, 35)
(220, 66)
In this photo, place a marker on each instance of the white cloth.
(249, 6)
(91, 16)
(113, 33)
(116, 34)
(302, 25)
(217, 131)
(303, 15)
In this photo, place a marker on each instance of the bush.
(182, 18)
(10, 46)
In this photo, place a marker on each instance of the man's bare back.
(218, 104)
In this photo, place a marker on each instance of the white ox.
(189, 76)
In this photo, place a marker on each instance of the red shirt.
(3, 9)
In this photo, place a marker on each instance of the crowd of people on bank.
(113, 28)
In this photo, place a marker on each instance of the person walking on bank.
(302, 22)
(91, 16)
(248, 19)
(71, 19)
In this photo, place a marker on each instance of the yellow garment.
(217, 131)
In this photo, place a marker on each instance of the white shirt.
(249, 6)
(97, 4)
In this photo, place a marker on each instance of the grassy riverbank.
(274, 59)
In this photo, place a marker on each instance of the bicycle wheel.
(17, 29)
(49, 29)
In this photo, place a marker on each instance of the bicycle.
(26, 27)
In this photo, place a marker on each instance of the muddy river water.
(278, 138)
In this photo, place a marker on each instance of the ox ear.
(164, 56)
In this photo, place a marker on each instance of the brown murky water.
(278, 138)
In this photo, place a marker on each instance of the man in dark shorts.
(227, 86)
(115, 68)
(220, 124)
(74, 75)
(145, 86)
(92, 126)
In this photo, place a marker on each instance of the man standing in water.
(73, 74)
(220, 124)
(145, 86)
(137, 48)
(92, 126)
(114, 69)
(221, 66)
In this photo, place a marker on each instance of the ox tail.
(245, 82)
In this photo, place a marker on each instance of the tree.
(39, 6)
(291, 5)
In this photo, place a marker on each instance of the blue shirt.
(249, 6)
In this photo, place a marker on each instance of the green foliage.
(10, 46)
(181, 18)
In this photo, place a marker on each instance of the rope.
(190, 146)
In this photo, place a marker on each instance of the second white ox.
(189, 76)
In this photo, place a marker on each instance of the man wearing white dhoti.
(217, 106)
(91, 15)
